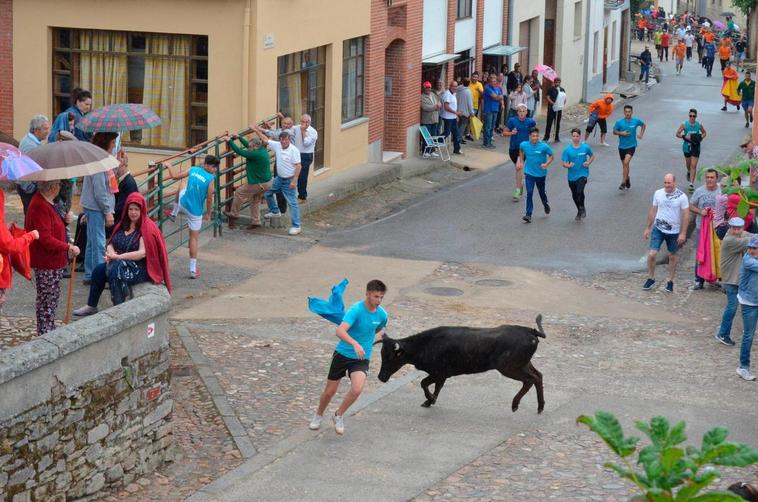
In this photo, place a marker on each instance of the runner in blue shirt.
(194, 202)
(518, 129)
(577, 158)
(534, 157)
(361, 323)
(626, 130)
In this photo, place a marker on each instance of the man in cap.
(733, 246)
(430, 109)
(667, 221)
(747, 295)
(258, 177)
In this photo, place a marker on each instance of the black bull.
(445, 352)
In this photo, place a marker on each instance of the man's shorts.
(691, 150)
(513, 154)
(747, 103)
(342, 365)
(680, 61)
(623, 152)
(740, 56)
(194, 223)
(657, 238)
(603, 126)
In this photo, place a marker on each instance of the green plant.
(740, 169)
(670, 472)
(745, 5)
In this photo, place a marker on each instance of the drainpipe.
(246, 65)
(587, 65)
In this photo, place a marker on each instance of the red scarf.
(155, 246)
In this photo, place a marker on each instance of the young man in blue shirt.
(195, 202)
(577, 158)
(534, 157)
(626, 130)
(362, 322)
(518, 129)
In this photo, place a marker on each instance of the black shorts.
(623, 152)
(342, 366)
(603, 126)
(513, 154)
(693, 150)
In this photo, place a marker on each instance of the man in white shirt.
(285, 181)
(39, 128)
(689, 38)
(449, 115)
(667, 220)
(304, 137)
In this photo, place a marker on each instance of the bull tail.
(540, 332)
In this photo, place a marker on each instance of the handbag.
(122, 273)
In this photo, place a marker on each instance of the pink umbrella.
(546, 71)
(14, 164)
(719, 25)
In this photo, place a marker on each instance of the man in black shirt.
(740, 47)
(513, 80)
(646, 61)
(556, 100)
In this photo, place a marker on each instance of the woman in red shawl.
(136, 253)
(9, 245)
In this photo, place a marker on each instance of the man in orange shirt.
(708, 35)
(603, 107)
(725, 52)
(680, 49)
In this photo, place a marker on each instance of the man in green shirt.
(746, 90)
(258, 172)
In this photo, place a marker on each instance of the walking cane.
(67, 319)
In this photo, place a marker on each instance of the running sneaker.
(578, 216)
(691, 188)
(294, 230)
(195, 274)
(516, 195)
(628, 183)
(648, 284)
(670, 287)
(747, 124)
(527, 218)
(725, 340)
(270, 215)
(604, 144)
(315, 422)
(547, 208)
(745, 374)
(583, 212)
(723, 108)
(339, 424)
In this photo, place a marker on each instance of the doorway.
(300, 85)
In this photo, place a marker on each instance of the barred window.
(353, 53)
(168, 73)
(464, 9)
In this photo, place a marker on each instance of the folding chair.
(434, 144)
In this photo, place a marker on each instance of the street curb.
(211, 491)
(203, 365)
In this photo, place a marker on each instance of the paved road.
(478, 222)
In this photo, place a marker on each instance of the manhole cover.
(444, 291)
(493, 283)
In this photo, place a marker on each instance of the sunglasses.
(693, 116)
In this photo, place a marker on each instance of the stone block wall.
(87, 406)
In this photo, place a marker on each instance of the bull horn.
(397, 346)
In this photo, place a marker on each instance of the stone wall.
(87, 406)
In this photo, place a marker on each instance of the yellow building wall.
(296, 25)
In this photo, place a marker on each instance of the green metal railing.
(161, 191)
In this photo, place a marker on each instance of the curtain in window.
(349, 86)
(104, 74)
(165, 89)
(290, 95)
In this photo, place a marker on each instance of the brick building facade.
(6, 63)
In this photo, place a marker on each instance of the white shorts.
(193, 222)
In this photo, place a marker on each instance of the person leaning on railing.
(258, 173)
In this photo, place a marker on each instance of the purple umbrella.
(719, 25)
(15, 164)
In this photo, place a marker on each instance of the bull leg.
(425, 386)
(522, 375)
(538, 386)
(437, 388)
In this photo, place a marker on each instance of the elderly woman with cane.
(49, 254)
(136, 253)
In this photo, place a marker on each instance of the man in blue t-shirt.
(518, 129)
(194, 202)
(493, 100)
(577, 158)
(626, 130)
(362, 322)
(534, 157)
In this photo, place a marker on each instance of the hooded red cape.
(155, 245)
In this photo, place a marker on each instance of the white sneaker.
(339, 424)
(294, 230)
(315, 422)
(272, 215)
(744, 373)
(605, 144)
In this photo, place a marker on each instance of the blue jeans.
(282, 185)
(530, 182)
(489, 126)
(644, 72)
(451, 127)
(306, 159)
(729, 311)
(95, 252)
(749, 319)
